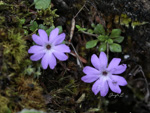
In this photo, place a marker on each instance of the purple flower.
(49, 48)
(104, 76)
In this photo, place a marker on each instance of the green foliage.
(42, 4)
(136, 23)
(102, 47)
(105, 38)
(115, 47)
(33, 71)
(115, 33)
(33, 26)
(99, 29)
(80, 28)
(48, 15)
(125, 20)
(91, 44)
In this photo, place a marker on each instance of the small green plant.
(106, 39)
(42, 4)
(34, 26)
(126, 21)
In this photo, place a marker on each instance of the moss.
(30, 92)
(48, 15)
(4, 105)
(14, 53)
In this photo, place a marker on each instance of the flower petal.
(96, 86)
(104, 89)
(114, 86)
(100, 85)
(95, 61)
(90, 70)
(62, 48)
(38, 40)
(59, 39)
(61, 56)
(37, 56)
(119, 69)
(43, 35)
(35, 49)
(89, 78)
(45, 60)
(103, 60)
(114, 63)
(53, 35)
(120, 80)
(52, 61)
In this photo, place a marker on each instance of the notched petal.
(89, 78)
(103, 60)
(95, 61)
(90, 70)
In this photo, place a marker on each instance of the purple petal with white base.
(43, 35)
(36, 49)
(120, 80)
(103, 76)
(90, 70)
(37, 56)
(103, 60)
(59, 39)
(62, 48)
(114, 63)
(53, 35)
(114, 86)
(119, 69)
(52, 61)
(89, 78)
(61, 56)
(95, 61)
(48, 49)
(38, 40)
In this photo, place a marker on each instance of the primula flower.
(49, 48)
(104, 76)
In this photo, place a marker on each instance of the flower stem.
(107, 51)
(89, 34)
(100, 103)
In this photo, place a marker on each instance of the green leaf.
(25, 32)
(109, 41)
(60, 29)
(115, 47)
(78, 27)
(91, 44)
(90, 31)
(136, 23)
(33, 26)
(50, 29)
(119, 39)
(125, 20)
(93, 25)
(102, 37)
(99, 29)
(42, 4)
(41, 26)
(115, 33)
(102, 47)
(22, 21)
